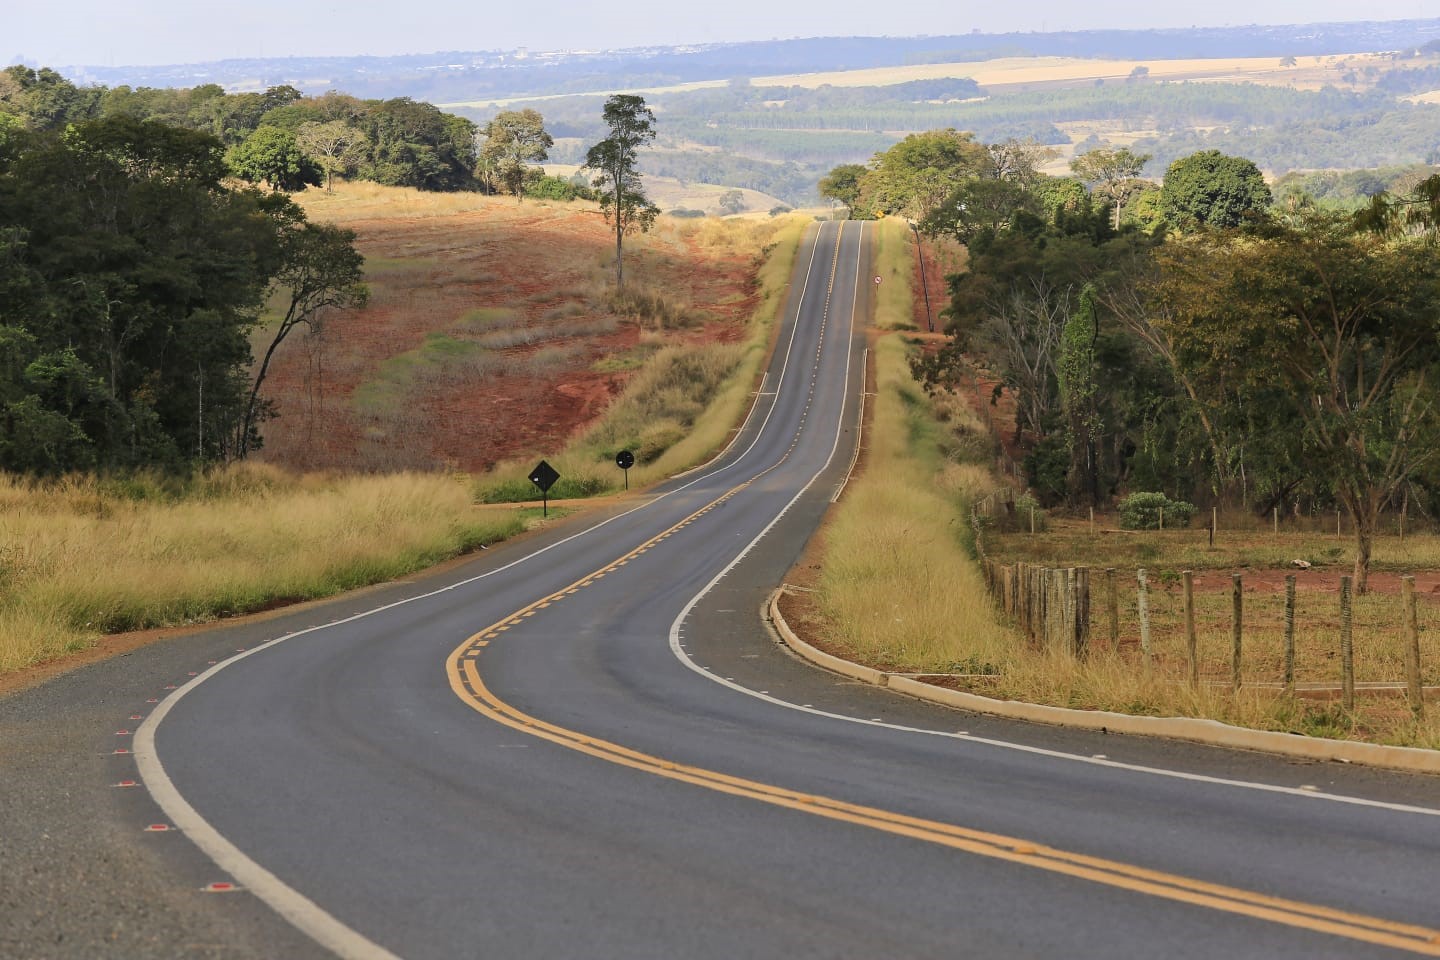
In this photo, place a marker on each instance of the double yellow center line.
(462, 668)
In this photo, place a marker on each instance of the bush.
(1141, 511)
(684, 213)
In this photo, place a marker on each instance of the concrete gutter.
(1213, 732)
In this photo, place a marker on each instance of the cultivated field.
(1012, 73)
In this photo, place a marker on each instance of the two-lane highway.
(588, 746)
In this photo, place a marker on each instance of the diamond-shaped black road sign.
(544, 476)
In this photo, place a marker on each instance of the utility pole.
(924, 284)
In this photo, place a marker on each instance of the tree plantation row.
(1192, 337)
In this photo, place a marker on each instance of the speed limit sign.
(877, 280)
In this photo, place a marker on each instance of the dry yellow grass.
(1024, 71)
(897, 586)
(83, 557)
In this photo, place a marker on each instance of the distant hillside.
(456, 76)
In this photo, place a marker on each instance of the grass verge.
(84, 557)
(895, 266)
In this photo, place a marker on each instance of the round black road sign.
(624, 459)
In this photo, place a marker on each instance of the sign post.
(544, 477)
(625, 460)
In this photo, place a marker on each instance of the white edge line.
(300, 911)
(684, 657)
(859, 432)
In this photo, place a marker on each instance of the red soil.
(425, 273)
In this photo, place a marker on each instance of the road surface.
(587, 744)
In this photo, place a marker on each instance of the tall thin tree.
(616, 164)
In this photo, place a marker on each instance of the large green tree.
(272, 156)
(1210, 189)
(842, 184)
(514, 140)
(1113, 173)
(1336, 329)
(334, 146)
(616, 163)
(914, 177)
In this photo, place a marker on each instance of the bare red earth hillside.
(488, 334)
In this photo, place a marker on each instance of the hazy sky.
(116, 32)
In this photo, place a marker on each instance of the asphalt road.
(586, 744)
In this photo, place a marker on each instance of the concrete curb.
(1212, 732)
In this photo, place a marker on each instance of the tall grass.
(898, 586)
(85, 556)
(684, 402)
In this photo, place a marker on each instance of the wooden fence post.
(1412, 649)
(1237, 628)
(1112, 601)
(1191, 646)
(1347, 648)
(1290, 635)
(1082, 611)
(1142, 597)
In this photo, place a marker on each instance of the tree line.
(1191, 337)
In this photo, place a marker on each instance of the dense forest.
(280, 137)
(132, 275)
(1195, 338)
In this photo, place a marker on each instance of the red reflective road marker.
(153, 700)
(220, 887)
(121, 750)
(122, 733)
(192, 673)
(169, 686)
(136, 716)
(127, 783)
(157, 828)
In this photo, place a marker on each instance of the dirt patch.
(515, 294)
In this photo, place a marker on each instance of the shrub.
(1141, 511)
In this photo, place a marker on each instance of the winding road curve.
(587, 744)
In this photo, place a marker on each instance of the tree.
(1335, 328)
(321, 271)
(272, 156)
(1210, 189)
(731, 202)
(915, 176)
(977, 206)
(843, 184)
(514, 140)
(1075, 377)
(1112, 173)
(334, 146)
(616, 164)
(1019, 161)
